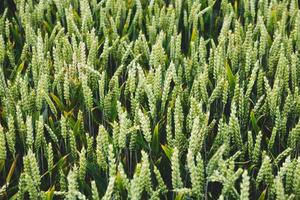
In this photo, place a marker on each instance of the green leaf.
(16, 70)
(2, 163)
(58, 102)
(76, 128)
(263, 195)
(194, 34)
(230, 76)
(50, 193)
(47, 26)
(58, 165)
(168, 151)
(179, 196)
(20, 67)
(155, 139)
(254, 122)
(11, 170)
(61, 161)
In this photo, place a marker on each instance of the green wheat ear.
(176, 177)
(2, 144)
(245, 186)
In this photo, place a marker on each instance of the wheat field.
(149, 99)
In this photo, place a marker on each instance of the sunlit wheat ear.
(39, 138)
(32, 175)
(136, 188)
(145, 125)
(180, 138)
(63, 127)
(72, 183)
(90, 147)
(50, 157)
(161, 184)
(196, 170)
(176, 177)
(72, 144)
(2, 144)
(265, 172)
(2, 49)
(82, 164)
(21, 186)
(197, 136)
(11, 135)
(296, 181)
(87, 93)
(245, 186)
(145, 171)
(257, 148)
(95, 191)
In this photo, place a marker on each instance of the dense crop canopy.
(149, 99)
